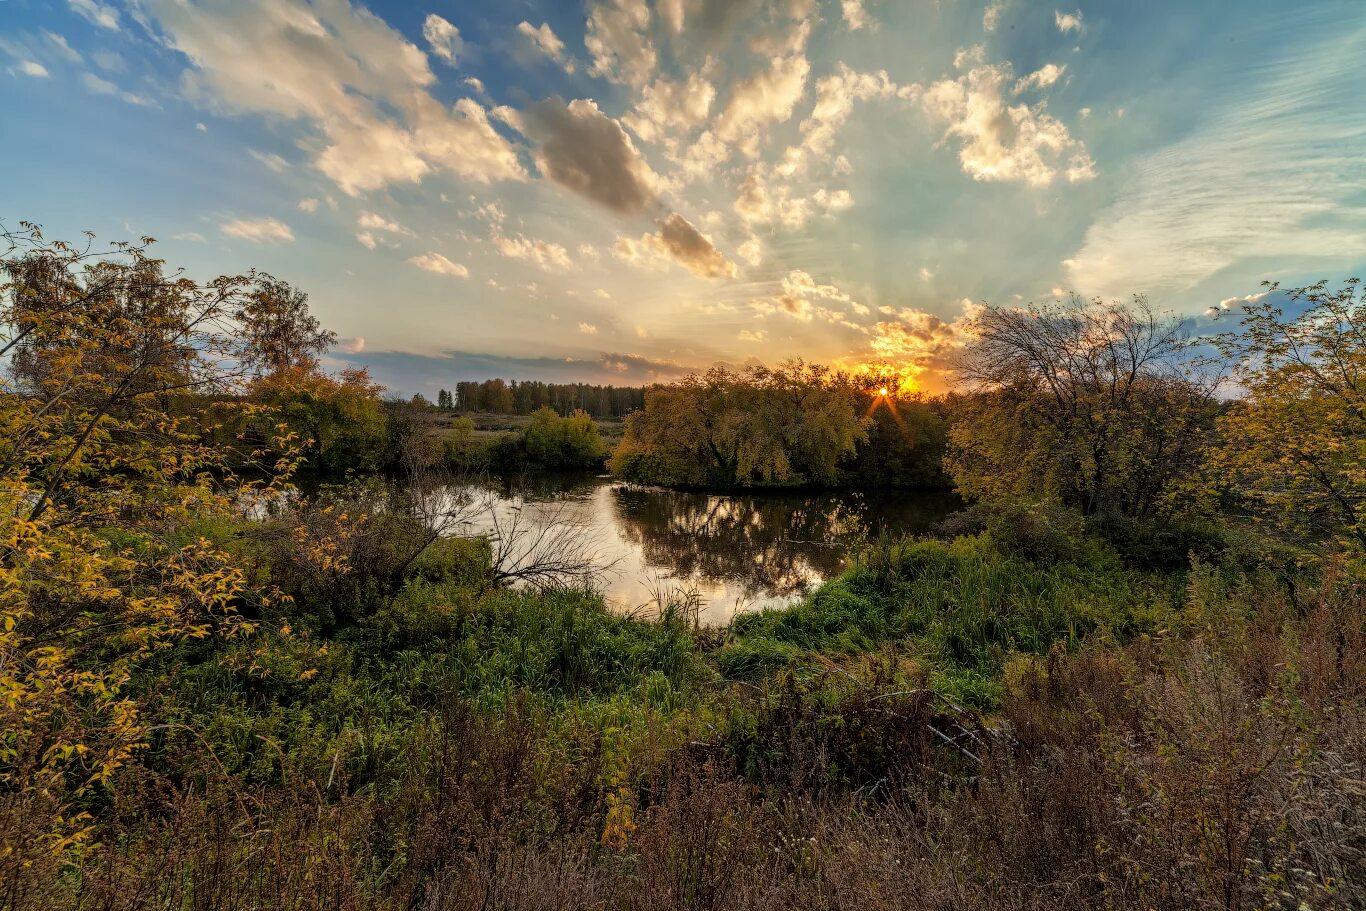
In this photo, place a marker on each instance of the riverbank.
(915, 724)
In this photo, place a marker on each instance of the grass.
(958, 723)
(960, 608)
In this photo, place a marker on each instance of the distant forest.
(503, 397)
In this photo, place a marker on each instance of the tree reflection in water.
(747, 549)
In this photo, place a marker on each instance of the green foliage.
(1293, 449)
(342, 417)
(787, 426)
(552, 441)
(1094, 406)
(962, 607)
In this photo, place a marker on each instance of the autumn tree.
(1095, 405)
(1293, 447)
(279, 332)
(789, 425)
(116, 375)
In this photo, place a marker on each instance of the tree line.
(524, 397)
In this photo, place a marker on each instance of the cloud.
(855, 16)
(372, 222)
(351, 345)
(366, 240)
(1266, 178)
(991, 16)
(678, 241)
(588, 153)
(617, 38)
(588, 329)
(193, 237)
(362, 86)
(308, 204)
(435, 262)
(918, 339)
(544, 39)
(258, 230)
(835, 98)
(270, 160)
(105, 87)
(105, 60)
(442, 38)
(766, 97)
(800, 296)
(667, 107)
(65, 50)
(747, 335)
(751, 251)
(101, 14)
(1000, 141)
(1068, 22)
(1041, 78)
(551, 257)
(33, 68)
(765, 198)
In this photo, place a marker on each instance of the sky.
(623, 191)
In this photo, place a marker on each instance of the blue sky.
(623, 190)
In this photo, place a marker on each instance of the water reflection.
(735, 552)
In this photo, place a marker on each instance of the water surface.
(735, 552)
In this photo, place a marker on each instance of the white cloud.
(551, 257)
(751, 251)
(618, 40)
(1041, 78)
(835, 98)
(764, 98)
(588, 329)
(258, 230)
(667, 107)
(544, 39)
(1266, 178)
(588, 153)
(855, 16)
(372, 222)
(748, 335)
(442, 38)
(66, 51)
(193, 237)
(1069, 22)
(991, 16)
(999, 141)
(270, 160)
(308, 204)
(33, 68)
(435, 262)
(105, 87)
(101, 14)
(801, 297)
(201, 128)
(362, 85)
(766, 198)
(105, 60)
(351, 345)
(366, 240)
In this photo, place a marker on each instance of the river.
(729, 553)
